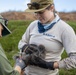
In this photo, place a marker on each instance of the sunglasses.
(35, 5)
(5, 21)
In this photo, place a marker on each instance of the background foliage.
(10, 42)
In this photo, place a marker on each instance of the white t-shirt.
(61, 36)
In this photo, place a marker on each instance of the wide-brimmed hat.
(4, 23)
(38, 5)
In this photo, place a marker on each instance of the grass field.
(10, 42)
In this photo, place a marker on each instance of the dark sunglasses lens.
(29, 6)
(33, 5)
(6, 22)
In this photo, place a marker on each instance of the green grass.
(10, 42)
(73, 24)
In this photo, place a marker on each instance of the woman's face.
(1, 28)
(45, 16)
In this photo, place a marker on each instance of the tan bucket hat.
(38, 5)
(4, 22)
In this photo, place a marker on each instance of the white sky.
(21, 5)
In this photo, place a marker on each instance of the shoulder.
(66, 29)
(33, 24)
(64, 26)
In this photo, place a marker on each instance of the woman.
(54, 34)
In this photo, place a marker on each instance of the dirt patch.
(30, 16)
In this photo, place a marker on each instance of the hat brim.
(5, 31)
(36, 10)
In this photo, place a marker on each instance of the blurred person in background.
(54, 34)
(5, 67)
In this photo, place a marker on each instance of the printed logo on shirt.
(48, 35)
